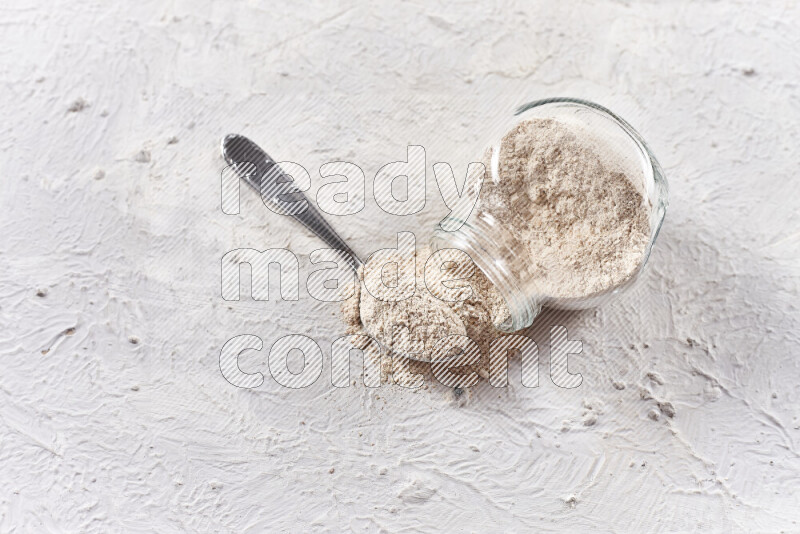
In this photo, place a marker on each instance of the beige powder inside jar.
(577, 222)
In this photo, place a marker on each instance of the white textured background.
(98, 433)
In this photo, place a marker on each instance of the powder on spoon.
(428, 317)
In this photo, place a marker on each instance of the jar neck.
(479, 238)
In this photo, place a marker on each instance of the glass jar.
(486, 237)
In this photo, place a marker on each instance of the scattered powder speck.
(78, 105)
(143, 156)
(667, 409)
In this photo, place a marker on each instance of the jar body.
(494, 234)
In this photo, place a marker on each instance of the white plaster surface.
(112, 213)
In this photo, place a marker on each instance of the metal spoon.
(259, 171)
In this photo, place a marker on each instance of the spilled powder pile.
(472, 309)
(577, 223)
(574, 222)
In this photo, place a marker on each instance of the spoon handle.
(260, 172)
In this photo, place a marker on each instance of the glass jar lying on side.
(569, 211)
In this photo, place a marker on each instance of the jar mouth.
(473, 239)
